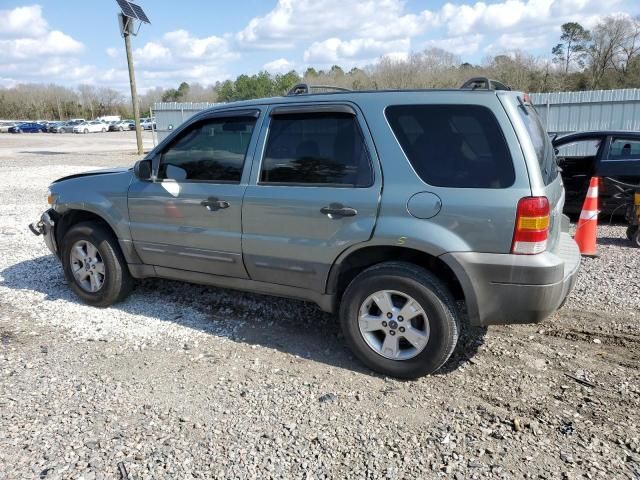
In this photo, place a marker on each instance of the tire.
(86, 130)
(121, 129)
(635, 239)
(440, 320)
(103, 130)
(116, 279)
(631, 231)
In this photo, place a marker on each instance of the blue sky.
(73, 41)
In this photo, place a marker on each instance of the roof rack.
(304, 89)
(484, 83)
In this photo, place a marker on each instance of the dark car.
(52, 127)
(29, 127)
(606, 154)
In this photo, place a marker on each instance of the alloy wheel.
(87, 266)
(393, 324)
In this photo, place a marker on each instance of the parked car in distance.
(67, 127)
(27, 127)
(90, 127)
(120, 126)
(286, 196)
(4, 126)
(148, 123)
(606, 154)
(51, 126)
(109, 118)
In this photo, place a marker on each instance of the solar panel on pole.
(139, 13)
(127, 11)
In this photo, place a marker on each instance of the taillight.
(531, 232)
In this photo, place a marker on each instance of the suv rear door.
(314, 192)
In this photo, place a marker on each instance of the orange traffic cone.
(588, 225)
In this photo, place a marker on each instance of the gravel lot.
(183, 381)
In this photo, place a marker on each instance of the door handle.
(213, 204)
(338, 210)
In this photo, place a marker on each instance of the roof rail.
(304, 89)
(484, 83)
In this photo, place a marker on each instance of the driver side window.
(213, 150)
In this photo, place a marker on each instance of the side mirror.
(142, 169)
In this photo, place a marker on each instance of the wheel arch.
(344, 271)
(67, 219)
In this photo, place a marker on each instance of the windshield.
(541, 143)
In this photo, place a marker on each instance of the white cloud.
(179, 56)
(463, 45)
(23, 22)
(349, 52)
(294, 20)
(112, 52)
(281, 65)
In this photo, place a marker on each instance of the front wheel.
(86, 130)
(94, 266)
(400, 320)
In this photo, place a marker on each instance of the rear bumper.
(505, 289)
(45, 227)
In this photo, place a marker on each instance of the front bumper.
(505, 289)
(46, 228)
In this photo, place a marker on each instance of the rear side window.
(322, 149)
(453, 145)
(624, 149)
(541, 143)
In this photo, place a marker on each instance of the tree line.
(606, 57)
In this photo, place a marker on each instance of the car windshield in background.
(541, 143)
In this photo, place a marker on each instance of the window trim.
(415, 172)
(248, 113)
(310, 109)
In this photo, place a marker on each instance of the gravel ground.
(183, 381)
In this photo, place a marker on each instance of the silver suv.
(388, 207)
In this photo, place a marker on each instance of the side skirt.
(326, 302)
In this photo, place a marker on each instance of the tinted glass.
(316, 149)
(453, 145)
(581, 148)
(212, 150)
(541, 143)
(622, 149)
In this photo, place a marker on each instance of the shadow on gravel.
(615, 242)
(291, 326)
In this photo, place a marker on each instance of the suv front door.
(189, 217)
(313, 194)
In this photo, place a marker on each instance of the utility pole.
(132, 12)
(132, 79)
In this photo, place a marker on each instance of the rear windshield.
(541, 143)
(459, 146)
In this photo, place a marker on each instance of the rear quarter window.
(541, 143)
(458, 146)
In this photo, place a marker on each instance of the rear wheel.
(104, 129)
(634, 236)
(86, 130)
(94, 266)
(400, 320)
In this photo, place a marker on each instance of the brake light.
(531, 232)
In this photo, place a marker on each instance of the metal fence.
(566, 112)
(562, 112)
(171, 114)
